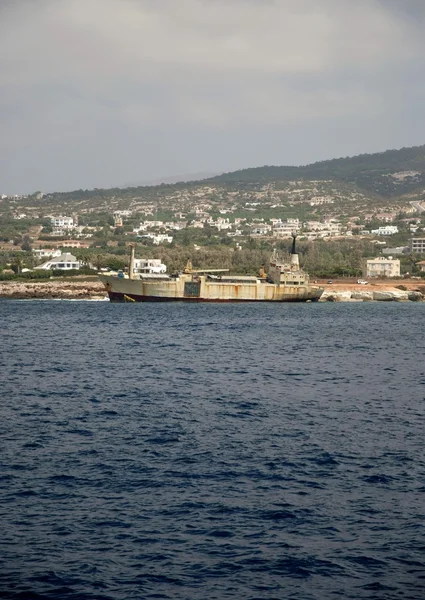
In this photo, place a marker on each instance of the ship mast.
(295, 264)
(131, 263)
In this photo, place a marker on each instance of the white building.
(386, 230)
(317, 229)
(74, 244)
(386, 217)
(149, 265)
(62, 222)
(221, 223)
(327, 227)
(46, 252)
(122, 213)
(286, 228)
(176, 225)
(159, 238)
(162, 238)
(59, 232)
(397, 250)
(142, 227)
(382, 266)
(65, 261)
(317, 200)
(151, 224)
(261, 230)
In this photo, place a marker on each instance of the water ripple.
(187, 452)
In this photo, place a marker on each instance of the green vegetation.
(33, 275)
(321, 259)
(370, 172)
(348, 191)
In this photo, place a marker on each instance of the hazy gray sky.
(95, 93)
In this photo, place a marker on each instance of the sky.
(101, 93)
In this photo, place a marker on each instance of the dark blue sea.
(259, 451)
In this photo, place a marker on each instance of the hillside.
(345, 187)
(390, 173)
(379, 179)
(352, 208)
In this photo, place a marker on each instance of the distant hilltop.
(171, 179)
(389, 173)
(385, 174)
(381, 176)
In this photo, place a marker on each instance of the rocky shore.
(83, 289)
(407, 290)
(53, 290)
(377, 296)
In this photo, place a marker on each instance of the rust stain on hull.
(121, 298)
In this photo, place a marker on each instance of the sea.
(209, 451)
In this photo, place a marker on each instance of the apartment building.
(386, 230)
(62, 222)
(417, 245)
(286, 228)
(382, 266)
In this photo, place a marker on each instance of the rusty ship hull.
(285, 282)
(185, 288)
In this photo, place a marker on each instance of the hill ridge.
(368, 171)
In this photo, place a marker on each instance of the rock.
(415, 296)
(331, 296)
(365, 296)
(327, 296)
(383, 296)
(391, 296)
(51, 289)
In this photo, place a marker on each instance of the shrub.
(87, 271)
(65, 272)
(7, 276)
(26, 275)
(36, 274)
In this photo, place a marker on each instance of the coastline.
(56, 289)
(92, 289)
(380, 290)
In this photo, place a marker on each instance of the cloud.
(73, 70)
(140, 39)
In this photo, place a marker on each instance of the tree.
(99, 261)
(17, 265)
(252, 244)
(115, 264)
(26, 244)
(83, 258)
